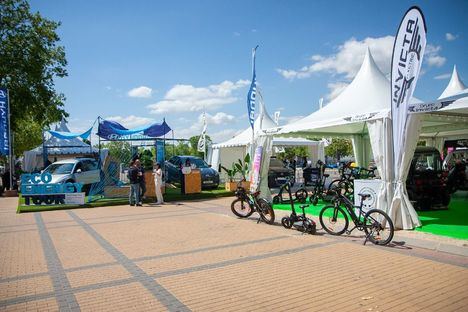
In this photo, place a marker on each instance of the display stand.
(150, 186)
(193, 182)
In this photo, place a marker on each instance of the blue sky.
(139, 61)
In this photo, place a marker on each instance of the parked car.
(455, 163)
(80, 170)
(209, 176)
(426, 182)
(278, 173)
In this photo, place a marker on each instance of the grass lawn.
(171, 195)
(452, 222)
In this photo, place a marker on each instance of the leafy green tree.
(290, 152)
(30, 60)
(194, 145)
(338, 148)
(119, 149)
(147, 159)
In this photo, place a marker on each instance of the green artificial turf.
(311, 210)
(452, 222)
(170, 195)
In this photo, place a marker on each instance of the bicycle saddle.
(326, 175)
(303, 206)
(364, 196)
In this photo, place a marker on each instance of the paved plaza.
(197, 256)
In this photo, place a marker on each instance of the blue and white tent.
(57, 148)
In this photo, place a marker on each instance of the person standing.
(134, 196)
(157, 173)
(141, 180)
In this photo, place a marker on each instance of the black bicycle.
(375, 223)
(299, 196)
(247, 203)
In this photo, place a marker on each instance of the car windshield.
(60, 168)
(274, 162)
(199, 163)
(427, 161)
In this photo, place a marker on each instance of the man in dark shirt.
(134, 196)
(141, 180)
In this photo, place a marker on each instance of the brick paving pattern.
(197, 256)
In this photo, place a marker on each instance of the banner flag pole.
(9, 141)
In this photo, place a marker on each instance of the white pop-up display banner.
(408, 51)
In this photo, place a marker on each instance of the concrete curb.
(432, 245)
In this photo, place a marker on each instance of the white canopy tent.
(449, 122)
(362, 112)
(226, 153)
(56, 149)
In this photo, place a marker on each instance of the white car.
(80, 170)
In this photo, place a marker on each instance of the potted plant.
(231, 173)
(243, 167)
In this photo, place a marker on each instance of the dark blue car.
(209, 176)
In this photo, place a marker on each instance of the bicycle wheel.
(378, 227)
(301, 195)
(241, 208)
(333, 220)
(265, 211)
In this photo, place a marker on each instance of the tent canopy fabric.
(111, 130)
(56, 146)
(71, 135)
(454, 86)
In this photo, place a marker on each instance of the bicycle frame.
(358, 222)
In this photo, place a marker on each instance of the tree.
(338, 148)
(121, 150)
(30, 60)
(194, 145)
(290, 152)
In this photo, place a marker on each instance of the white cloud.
(140, 92)
(335, 88)
(236, 34)
(450, 37)
(443, 76)
(187, 98)
(432, 57)
(131, 121)
(217, 119)
(348, 58)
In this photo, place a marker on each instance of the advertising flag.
(4, 122)
(202, 140)
(251, 95)
(408, 51)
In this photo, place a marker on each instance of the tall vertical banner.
(4, 122)
(160, 152)
(256, 173)
(201, 146)
(408, 51)
(251, 95)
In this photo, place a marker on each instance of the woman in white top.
(157, 173)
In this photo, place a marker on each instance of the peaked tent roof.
(263, 120)
(56, 142)
(454, 86)
(56, 146)
(366, 97)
